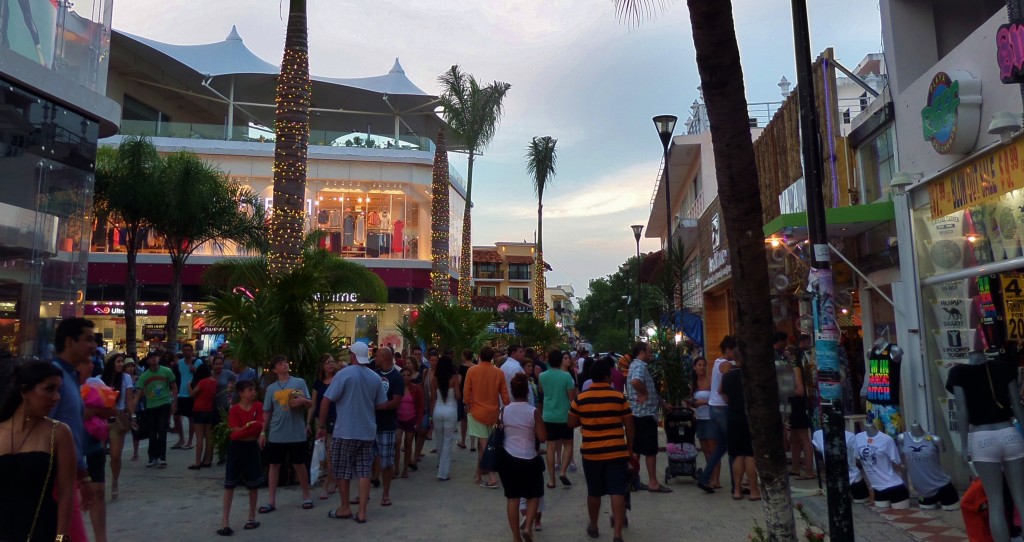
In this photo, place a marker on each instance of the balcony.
(519, 275)
(258, 134)
(497, 275)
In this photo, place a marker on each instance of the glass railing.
(221, 132)
(488, 274)
(70, 38)
(519, 275)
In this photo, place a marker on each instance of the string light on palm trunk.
(440, 221)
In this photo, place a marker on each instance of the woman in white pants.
(444, 386)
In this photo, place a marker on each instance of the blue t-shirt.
(186, 376)
(356, 391)
(70, 408)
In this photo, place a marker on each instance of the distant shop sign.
(951, 117)
(118, 310)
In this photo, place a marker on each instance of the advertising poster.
(826, 342)
(1013, 305)
(945, 242)
(30, 28)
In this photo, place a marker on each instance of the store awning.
(841, 222)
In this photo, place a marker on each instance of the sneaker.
(151, 464)
(162, 464)
(927, 505)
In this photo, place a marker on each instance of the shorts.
(351, 458)
(558, 431)
(477, 429)
(996, 446)
(205, 417)
(645, 436)
(96, 466)
(408, 426)
(184, 407)
(609, 477)
(859, 491)
(243, 465)
(521, 478)
(946, 496)
(893, 494)
(739, 440)
(798, 416)
(706, 430)
(384, 448)
(295, 452)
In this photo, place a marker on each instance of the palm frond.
(635, 12)
(540, 162)
(473, 111)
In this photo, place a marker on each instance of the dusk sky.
(577, 74)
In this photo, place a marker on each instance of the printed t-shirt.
(556, 385)
(156, 384)
(877, 455)
(238, 417)
(285, 424)
(393, 386)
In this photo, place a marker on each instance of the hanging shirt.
(877, 456)
(350, 228)
(883, 377)
(922, 455)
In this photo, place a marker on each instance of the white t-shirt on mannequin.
(877, 456)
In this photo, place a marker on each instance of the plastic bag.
(97, 395)
(318, 464)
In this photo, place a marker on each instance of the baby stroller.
(680, 430)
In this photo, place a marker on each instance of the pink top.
(407, 408)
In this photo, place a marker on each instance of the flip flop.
(251, 524)
(267, 509)
(225, 531)
(735, 498)
(661, 489)
(385, 501)
(551, 486)
(179, 447)
(359, 520)
(333, 514)
(307, 504)
(565, 480)
(592, 532)
(187, 447)
(461, 445)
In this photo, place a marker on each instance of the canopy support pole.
(398, 128)
(231, 110)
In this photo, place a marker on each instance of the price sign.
(1013, 305)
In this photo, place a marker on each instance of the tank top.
(703, 412)
(406, 409)
(923, 463)
(520, 431)
(715, 399)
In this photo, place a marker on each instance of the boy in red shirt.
(245, 420)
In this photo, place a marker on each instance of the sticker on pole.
(821, 253)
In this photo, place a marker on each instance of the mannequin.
(858, 487)
(921, 451)
(881, 386)
(986, 393)
(881, 460)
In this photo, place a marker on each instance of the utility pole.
(826, 327)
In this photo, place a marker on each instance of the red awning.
(486, 256)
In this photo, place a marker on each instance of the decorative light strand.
(440, 282)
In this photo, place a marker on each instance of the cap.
(362, 353)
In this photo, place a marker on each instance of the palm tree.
(721, 75)
(126, 184)
(473, 113)
(540, 163)
(286, 313)
(440, 221)
(448, 326)
(199, 204)
(291, 128)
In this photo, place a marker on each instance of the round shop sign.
(502, 307)
(951, 117)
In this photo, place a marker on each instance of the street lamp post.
(637, 230)
(666, 124)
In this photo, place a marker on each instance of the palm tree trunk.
(174, 300)
(539, 305)
(466, 263)
(440, 288)
(718, 61)
(291, 129)
(131, 291)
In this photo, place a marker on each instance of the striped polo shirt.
(601, 410)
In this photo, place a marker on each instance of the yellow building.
(503, 277)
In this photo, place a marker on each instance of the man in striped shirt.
(607, 428)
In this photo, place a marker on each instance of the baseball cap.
(362, 353)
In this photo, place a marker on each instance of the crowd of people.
(372, 412)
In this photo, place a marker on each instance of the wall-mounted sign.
(118, 310)
(715, 266)
(951, 117)
(1010, 52)
(348, 297)
(985, 178)
(212, 330)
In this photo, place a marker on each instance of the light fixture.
(972, 238)
(679, 337)
(775, 242)
(651, 331)
(1004, 124)
(901, 181)
(665, 124)
(844, 310)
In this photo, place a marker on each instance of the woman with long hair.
(203, 389)
(37, 455)
(706, 433)
(119, 426)
(324, 376)
(521, 469)
(446, 387)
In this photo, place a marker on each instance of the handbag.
(491, 459)
(46, 481)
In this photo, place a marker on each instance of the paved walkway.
(887, 525)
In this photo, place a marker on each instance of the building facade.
(53, 69)
(503, 276)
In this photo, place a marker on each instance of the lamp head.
(1004, 124)
(900, 181)
(637, 230)
(665, 124)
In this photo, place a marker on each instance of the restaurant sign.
(991, 175)
(951, 116)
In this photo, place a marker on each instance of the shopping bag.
(318, 463)
(491, 459)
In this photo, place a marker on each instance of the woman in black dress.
(36, 454)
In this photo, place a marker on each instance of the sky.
(577, 73)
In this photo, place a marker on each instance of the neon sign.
(1010, 53)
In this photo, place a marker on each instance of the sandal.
(307, 504)
(251, 524)
(565, 480)
(333, 514)
(592, 532)
(551, 486)
(359, 520)
(225, 531)
(414, 467)
(385, 501)
(461, 445)
(266, 509)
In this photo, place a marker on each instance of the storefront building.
(368, 184)
(716, 278)
(52, 93)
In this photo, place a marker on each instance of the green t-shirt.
(157, 386)
(556, 385)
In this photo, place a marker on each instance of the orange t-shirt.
(485, 383)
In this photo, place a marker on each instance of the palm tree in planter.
(721, 76)
(448, 326)
(288, 313)
(291, 130)
(126, 189)
(540, 163)
(473, 112)
(199, 205)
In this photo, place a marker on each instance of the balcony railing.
(498, 275)
(251, 133)
(519, 275)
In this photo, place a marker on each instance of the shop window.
(486, 291)
(519, 272)
(367, 224)
(520, 294)
(877, 165)
(366, 327)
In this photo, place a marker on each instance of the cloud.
(628, 189)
